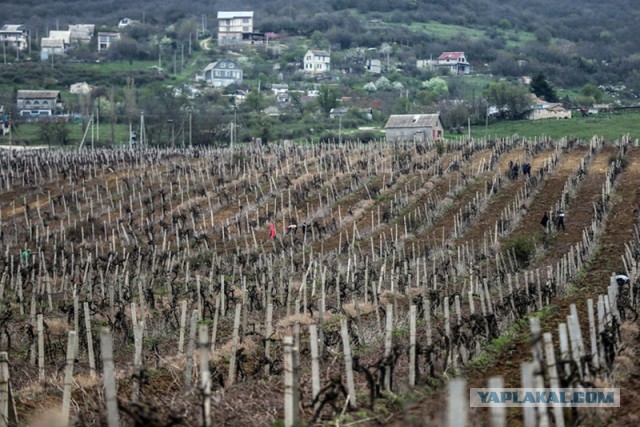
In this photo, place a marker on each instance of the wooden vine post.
(457, 406)
(68, 376)
(348, 363)
(315, 365)
(291, 407)
(41, 376)
(109, 378)
(8, 414)
(205, 380)
(234, 345)
(87, 323)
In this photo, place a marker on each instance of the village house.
(337, 112)
(317, 61)
(64, 35)
(541, 109)
(51, 46)
(38, 102)
(81, 33)
(374, 66)
(277, 88)
(222, 73)
(414, 127)
(106, 39)
(125, 22)
(15, 36)
(234, 27)
(453, 62)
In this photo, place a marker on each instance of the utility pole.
(190, 127)
(173, 126)
(143, 136)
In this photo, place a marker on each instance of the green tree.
(54, 133)
(590, 90)
(402, 105)
(125, 49)
(318, 40)
(327, 99)
(585, 100)
(254, 101)
(541, 87)
(437, 88)
(511, 100)
(266, 129)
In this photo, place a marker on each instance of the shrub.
(523, 247)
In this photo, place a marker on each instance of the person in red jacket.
(272, 231)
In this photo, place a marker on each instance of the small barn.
(414, 127)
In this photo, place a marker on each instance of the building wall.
(408, 134)
(549, 114)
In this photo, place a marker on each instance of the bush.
(523, 247)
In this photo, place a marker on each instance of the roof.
(62, 35)
(82, 31)
(13, 28)
(213, 65)
(37, 94)
(412, 121)
(231, 15)
(48, 42)
(450, 55)
(319, 52)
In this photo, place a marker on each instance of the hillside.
(584, 56)
(574, 44)
(156, 251)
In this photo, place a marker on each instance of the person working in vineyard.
(292, 228)
(560, 220)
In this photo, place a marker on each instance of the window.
(231, 65)
(245, 20)
(223, 65)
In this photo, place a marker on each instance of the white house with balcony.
(106, 39)
(234, 27)
(317, 61)
(454, 62)
(15, 36)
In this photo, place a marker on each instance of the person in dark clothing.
(560, 220)
(545, 220)
(621, 279)
(292, 228)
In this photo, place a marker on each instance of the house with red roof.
(455, 62)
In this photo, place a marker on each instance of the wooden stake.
(109, 378)
(348, 363)
(234, 345)
(315, 365)
(205, 379)
(291, 407)
(457, 406)
(68, 376)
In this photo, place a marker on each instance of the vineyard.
(353, 284)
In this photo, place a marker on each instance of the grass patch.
(611, 126)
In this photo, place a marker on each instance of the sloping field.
(198, 264)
